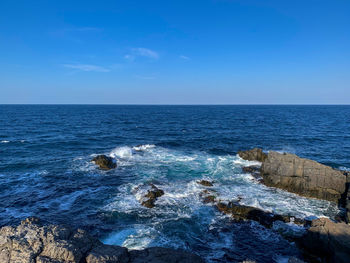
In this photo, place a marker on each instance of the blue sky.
(175, 52)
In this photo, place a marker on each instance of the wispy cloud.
(141, 52)
(184, 57)
(87, 67)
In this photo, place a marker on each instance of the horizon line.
(178, 104)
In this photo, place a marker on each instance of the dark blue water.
(46, 170)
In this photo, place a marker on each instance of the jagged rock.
(255, 154)
(242, 212)
(205, 183)
(104, 162)
(162, 255)
(151, 196)
(328, 240)
(35, 242)
(303, 176)
(107, 253)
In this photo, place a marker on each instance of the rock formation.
(241, 212)
(151, 197)
(255, 154)
(104, 162)
(327, 240)
(34, 242)
(205, 183)
(303, 176)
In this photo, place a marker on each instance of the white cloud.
(184, 57)
(141, 52)
(87, 67)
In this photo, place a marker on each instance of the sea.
(46, 171)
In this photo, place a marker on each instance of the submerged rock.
(255, 154)
(104, 162)
(35, 242)
(151, 197)
(303, 176)
(205, 183)
(328, 240)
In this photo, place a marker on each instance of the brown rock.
(209, 199)
(255, 154)
(303, 176)
(104, 162)
(328, 240)
(242, 212)
(151, 197)
(205, 183)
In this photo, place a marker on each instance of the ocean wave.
(4, 141)
(143, 147)
(121, 152)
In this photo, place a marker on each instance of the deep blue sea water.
(46, 171)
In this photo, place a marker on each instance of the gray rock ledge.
(35, 242)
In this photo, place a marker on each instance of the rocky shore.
(320, 240)
(35, 242)
(324, 239)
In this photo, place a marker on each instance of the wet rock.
(209, 199)
(303, 176)
(160, 255)
(35, 242)
(255, 154)
(251, 169)
(151, 197)
(205, 183)
(242, 212)
(327, 240)
(107, 253)
(104, 162)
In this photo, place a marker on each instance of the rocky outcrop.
(255, 154)
(347, 198)
(241, 212)
(160, 255)
(303, 176)
(151, 197)
(327, 240)
(104, 162)
(205, 183)
(34, 242)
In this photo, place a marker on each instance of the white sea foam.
(121, 152)
(143, 147)
(5, 141)
(177, 172)
(242, 162)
